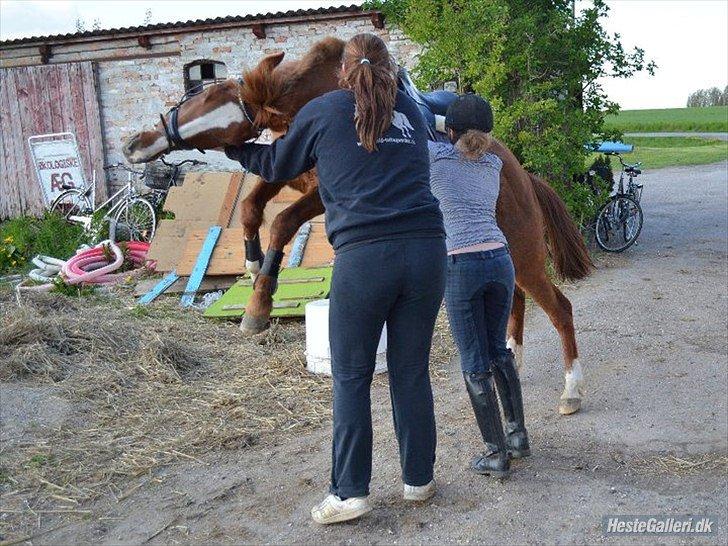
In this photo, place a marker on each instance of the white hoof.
(573, 382)
(517, 351)
(253, 268)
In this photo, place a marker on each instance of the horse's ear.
(269, 62)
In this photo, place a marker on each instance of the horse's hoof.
(567, 406)
(251, 325)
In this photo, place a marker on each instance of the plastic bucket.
(318, 352)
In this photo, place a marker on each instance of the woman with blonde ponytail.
(368, 142)
(465, 177)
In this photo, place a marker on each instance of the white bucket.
(318, 352)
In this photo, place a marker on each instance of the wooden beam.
(145, 41)
(378, 19)
(259, 30)
(45, 53)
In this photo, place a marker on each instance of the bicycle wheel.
(135, 221)
(71, 203)
(619, 223)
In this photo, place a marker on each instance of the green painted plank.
(296, 287)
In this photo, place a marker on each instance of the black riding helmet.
(469, 112)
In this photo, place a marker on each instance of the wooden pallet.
(179, 241)
(204, 200)
(228, 257)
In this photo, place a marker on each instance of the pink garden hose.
(88, 266)
(92, 266)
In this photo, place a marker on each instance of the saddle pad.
(296, 287)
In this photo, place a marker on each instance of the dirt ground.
(652, 437)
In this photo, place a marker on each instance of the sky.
(688, 39)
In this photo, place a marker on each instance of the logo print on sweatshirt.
(403, 125)
(400, 121)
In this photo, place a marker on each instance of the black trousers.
(400, 282)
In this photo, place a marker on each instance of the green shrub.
(541, 64)
(58, 238)
(25, 237)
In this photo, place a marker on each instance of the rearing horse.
(532, 216)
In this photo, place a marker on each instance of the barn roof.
(299, 15)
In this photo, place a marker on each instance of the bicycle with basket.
(619, 221)
(132, 215)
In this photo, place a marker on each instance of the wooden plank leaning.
(198, 272)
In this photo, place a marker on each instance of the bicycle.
(619, 221)
(132, 216)
(160, 190)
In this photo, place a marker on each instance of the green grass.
(24, 237)
(658, 152)
(708, 119)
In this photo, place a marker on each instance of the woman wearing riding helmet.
(465, 178)
(368, 142)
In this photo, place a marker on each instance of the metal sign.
(57, 163)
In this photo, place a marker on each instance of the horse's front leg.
(284, 227)
(251, 216)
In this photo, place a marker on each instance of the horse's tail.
(566, 244)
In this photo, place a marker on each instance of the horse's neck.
(309, 86)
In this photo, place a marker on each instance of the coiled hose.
(88, 266)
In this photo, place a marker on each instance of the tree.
(539, 63)
(708, 97)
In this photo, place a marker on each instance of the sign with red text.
(57, 163)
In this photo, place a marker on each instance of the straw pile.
(147, 387)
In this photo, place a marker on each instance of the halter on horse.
(170, 122)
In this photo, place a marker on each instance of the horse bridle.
(170, 122)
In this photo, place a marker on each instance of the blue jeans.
(399, 282)
(478, 297)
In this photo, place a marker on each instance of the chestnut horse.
(532, 216)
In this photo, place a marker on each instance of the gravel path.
(651, 438)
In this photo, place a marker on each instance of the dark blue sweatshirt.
(380, 195)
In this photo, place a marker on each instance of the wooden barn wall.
(37, 100)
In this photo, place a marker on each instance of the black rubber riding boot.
(494, 461)
(509, 389)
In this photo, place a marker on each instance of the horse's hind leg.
(282, 230)
(251, 216)
(515, 326)
(558, 309)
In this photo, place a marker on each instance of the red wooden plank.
(34, 201)
(39, 120)
(29, 198)
(67, 105)
(79, 116)
(41, 79)
(8, 192)
(93, 124)
(54, 97)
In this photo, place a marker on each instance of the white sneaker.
(333, 510)
(419, 493)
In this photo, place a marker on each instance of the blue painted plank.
(198, 272)
(159, 288)
(299, 245)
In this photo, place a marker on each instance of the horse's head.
(222, 114)
(215, 117)
(231, 112)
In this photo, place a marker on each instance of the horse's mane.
(268, 84)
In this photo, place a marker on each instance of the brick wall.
(134, 92)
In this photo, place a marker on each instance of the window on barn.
(202, 71)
